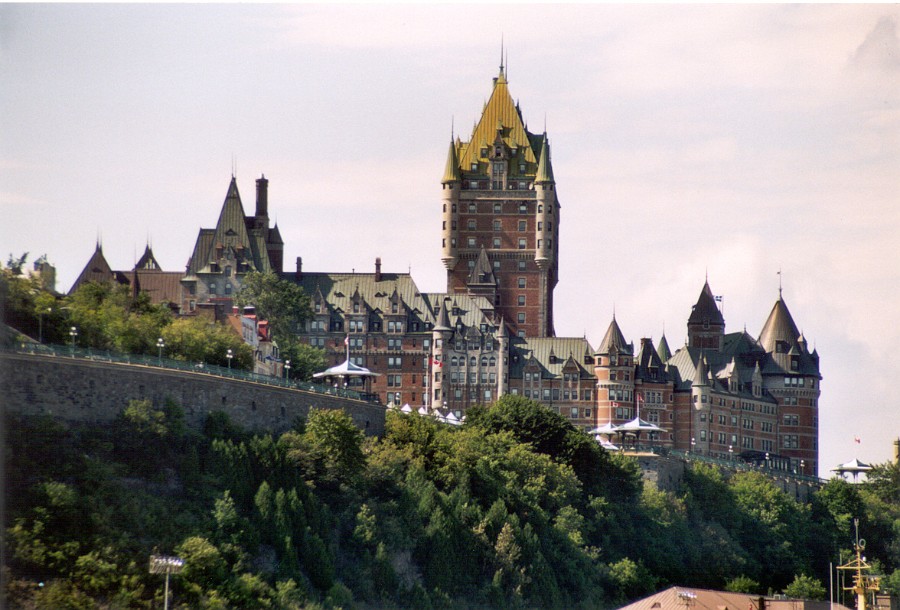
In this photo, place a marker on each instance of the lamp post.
(693, 444)
(229, 355)
(160, 564)
(287, 370)
(73, 332)
(767, 460)
(160, 344)
(802, 466)
(730, 453)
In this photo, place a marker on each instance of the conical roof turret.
(443, 319)
(706, 310)
(614, 340)
(482, 272)
(451, 170)
(701, 374)
(544, 169)
(779, 327)
(663, 349)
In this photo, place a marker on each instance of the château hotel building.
(491, 333)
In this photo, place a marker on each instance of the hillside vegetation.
(515, 509)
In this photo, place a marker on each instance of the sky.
(751, 145)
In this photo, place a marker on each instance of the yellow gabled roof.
(499, 108)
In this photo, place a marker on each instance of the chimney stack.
(298, 275)
(378, 269)
(262, 197)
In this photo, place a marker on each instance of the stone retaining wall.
(93, 391)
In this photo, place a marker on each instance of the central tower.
(501, 217)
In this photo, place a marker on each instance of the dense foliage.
(514, 509)
(109, 317)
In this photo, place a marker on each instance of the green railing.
(200, 368)
(739, 464)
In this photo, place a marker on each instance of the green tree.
(306, 360)
(279, 301)
(332, 444)
(198, 340)
(805, 587)
(743, 584)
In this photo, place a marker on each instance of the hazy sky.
(687, 140)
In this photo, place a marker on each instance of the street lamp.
(767, 460)
(229, 355)
(287, 369)
(693, 444)
(160, 344)
(160, 564)
(802, 466)
(73, 332)
(731, 453)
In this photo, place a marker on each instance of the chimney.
(299, 273)
(378, 269)
(262, 197)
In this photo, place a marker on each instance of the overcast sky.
(687, 140)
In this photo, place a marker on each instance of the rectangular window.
(522, 243)
(521, 300)
(521, 282)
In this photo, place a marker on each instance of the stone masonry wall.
(92, 391)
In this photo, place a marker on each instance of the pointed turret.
(482, 273)
(147, 262)
(97, 270)
(706, 326)
(451, 170)
(545, 169)
(779, 333)
(701, 373)
(614, 341)
(663, 349)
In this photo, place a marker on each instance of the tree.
(199, 340)
(331, 445)
(805, 587)
(281, 302)
(306, 360)
(743, 584)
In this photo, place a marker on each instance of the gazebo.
(854, 466)
(346, 371)
(634, 428)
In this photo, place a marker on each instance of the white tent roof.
(605, 443)
(607, 428)
(853, 465)
(639, 425)
(347, 369)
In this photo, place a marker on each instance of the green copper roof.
(544, 170)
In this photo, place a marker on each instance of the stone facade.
(93, 391)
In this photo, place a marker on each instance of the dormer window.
(484, 151)
(356, 308)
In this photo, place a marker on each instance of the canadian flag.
(615, 404)
(436, 362)
(347, 340)
(856, 440)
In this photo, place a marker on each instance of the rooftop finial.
(779, 283)
(501, 53)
